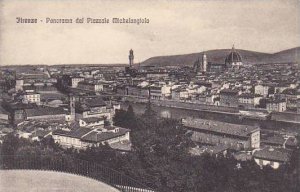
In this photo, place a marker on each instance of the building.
(90, 86)
(133, 90)
(19, 84)
(138, 91)
(216, 67)
(4, 115)
(16, 111)
(72, 108)
(238, 137)
(81, 138)
(156, 74)
(197, 66)
(45, 113)
(180, 93)
(131, 58)
(276, 105)
(290, 95)
(262, 89)
(204, 62)
(229, 98)
(31, 98)
(234, 59)
(166, 91)
(92, 122)
(70, 81)
(298, 105)
(249, 100)
(155, 92)
(94, 107)
(75, 81)
(273, 157)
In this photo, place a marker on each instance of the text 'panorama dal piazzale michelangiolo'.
(81, 20)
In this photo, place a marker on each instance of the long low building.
(234, 136)
(45, 113)
(82, 138)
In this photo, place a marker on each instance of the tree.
(149, 112)
(126, 119)
(262, 103)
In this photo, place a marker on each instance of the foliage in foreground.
(160, 158)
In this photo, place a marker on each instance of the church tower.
(131, 58)
(72, 108)
(204, 62)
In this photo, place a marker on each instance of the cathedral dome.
(234, 58)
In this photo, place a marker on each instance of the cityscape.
(150, 96)
(243, 112)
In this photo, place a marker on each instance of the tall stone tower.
(72, 108)
(204, 62)
(131, 58)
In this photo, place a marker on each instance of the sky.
(175, 27)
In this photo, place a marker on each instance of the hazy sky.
(176, 27)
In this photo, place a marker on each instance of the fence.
(75, 166)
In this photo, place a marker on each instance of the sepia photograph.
(150, 96)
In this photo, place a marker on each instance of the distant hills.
(219, 55)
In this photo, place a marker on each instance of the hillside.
(219, 55)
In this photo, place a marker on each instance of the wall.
(218, 139)
(255, 139)
(285, 116)
(197, 106)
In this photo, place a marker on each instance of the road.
(44, 181)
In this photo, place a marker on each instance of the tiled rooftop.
(275, 154)
(219, 127)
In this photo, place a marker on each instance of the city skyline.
(175, 28)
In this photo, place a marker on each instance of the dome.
(234, 58)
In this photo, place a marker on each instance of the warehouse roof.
(219, 127)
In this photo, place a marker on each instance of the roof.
(204, 83)
(229, 91)
(291, 142)
(275, 101)
(233, 56)
(247, 95)
(21, 106)
(273, 154)
(44, 110)
(92, 135)
(40, 133)
(87, 83)
(289, 91)
(93, 119)
(209, 149)
(6, 130)
(219, 127)
(94, 102)
(3, 111)
(273, 140)
(77, 133)
(95, 136)
(29, 87)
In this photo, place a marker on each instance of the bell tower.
(204, 62)
(72, 108)
(131, 58)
